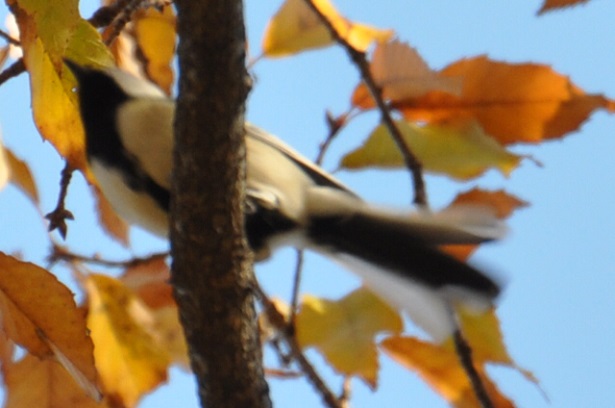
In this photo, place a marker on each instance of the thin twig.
(15, 69)
(279, 322)
(9, 38)
(296, 284)
(359, 59)
(57, 218)
(464, 352)
(346, 391)
(61, 254)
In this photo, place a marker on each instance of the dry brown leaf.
(20, 175)
(550, 5)
(115, 226)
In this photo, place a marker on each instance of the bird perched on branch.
(290, 202)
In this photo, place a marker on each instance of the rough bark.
(212, 270)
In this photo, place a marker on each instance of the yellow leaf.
(5, 173)
(48, 32)
(155, 34)
(44, 319)
(129, 360)
(32, 382)
(295, 27)
(440, 368)
(461, 150)
(344, 330)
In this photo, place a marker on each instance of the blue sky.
(557, 309)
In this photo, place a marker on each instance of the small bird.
(291, 201)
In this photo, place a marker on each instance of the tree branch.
(358, 58)
(212, 275)
(464, 352)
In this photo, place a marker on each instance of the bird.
(290, 201)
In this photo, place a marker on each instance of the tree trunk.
(212, 271)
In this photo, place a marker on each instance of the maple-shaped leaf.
(49, 31)
(439, 367)
(514, 103)
(402, 74)
(130, 361)
(500, 203)
(32, 382)
(295, 27)
(550, 5)
(459, 150)
(344, 330)
(40, 314)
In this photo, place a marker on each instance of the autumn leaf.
(50, 31)
(440, 368)
(44, 319)
(344, 330)
(4, 167)
(402, 74)
(295, 27)
(514, 103)
(459, 150)
(32, 382)
(149, 280)
(130, 361)
(115, 226)
(19, 174)
(550, 5)
(155, 36)
(500, 203)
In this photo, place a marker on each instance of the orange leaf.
(344, 330)
(500, 203)
(150, 281)
(115, 226)
(550, 5)
(20, 175)
(130, 361)
(440, 368)
(295, 27)
(514, 103)
(32, 382)
(44, 318)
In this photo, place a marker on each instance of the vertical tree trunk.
(212, 271)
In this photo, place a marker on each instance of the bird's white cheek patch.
(135, 207)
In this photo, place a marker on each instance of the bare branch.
(359, 59)
(288, 334)
(464, 352)
(15, 69)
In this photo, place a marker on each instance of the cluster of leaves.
(118, 345)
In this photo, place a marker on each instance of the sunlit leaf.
(440, 368)
(295, 27)
(32, 382)
(514, 103)
(50, 31)
(343, 330)
(155, 34)
(130, 361)
(150, 281)
(459, 150)
(39, 314)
